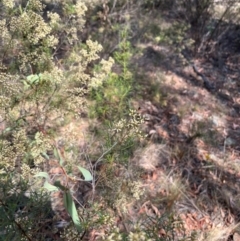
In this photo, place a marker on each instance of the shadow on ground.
(201, 126)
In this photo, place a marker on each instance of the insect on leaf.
(71, 208)
(86, 174)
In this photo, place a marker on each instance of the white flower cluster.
(129, 126)
(71, 233)
(72, 35)
(78, 14)
(54, 19)
(9, 89)
(35, 5)
(20, 141)
(99, 77)
(138, 236)
(40, 145)
(56, 75)
(31, 25)
(91, 53)
(79, 63)
(114, 235)
(81, 8)
(7, 157)
(26, 171)
(8, 3)
(5, 35)
(137, 190)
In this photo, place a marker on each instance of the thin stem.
(106, 152)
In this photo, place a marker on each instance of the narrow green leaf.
(50, 187)
(55, 152)
(45, 155)
(7, 129)
(20, 9)
(86, 174)
(71, 208)
(42, 174)
(58, 156)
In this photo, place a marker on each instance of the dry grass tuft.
(152, 156)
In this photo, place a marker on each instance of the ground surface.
(191, 161)
(194, 134)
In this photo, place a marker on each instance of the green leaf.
(50, 187)
(7, 129)
(45, 155)
(58, 156)
(86, 174)
(59, 185)
(42, 174)
(71, 208)
(55, 152)
(26, 85)
(60, 159)
(33, 78)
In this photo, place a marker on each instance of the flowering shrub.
(38, 87)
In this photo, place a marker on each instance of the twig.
(206, 82)
(190, 201)
(114, 5)
(221, 19)
(93, 167)
(101, 157)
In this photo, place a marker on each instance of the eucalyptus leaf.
(86, 174)
(44, 154)
(55, 152)
(50, 187)
(58, 156)
(61, 161)
(42, 174)
(71, 208)
(7, 129)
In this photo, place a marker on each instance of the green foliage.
(71, 208)
(171, 228)
(36, 90)
(87, 175)
(50, 69)
(24, 214)
(111, 100)
(198, 12)
(67, 196)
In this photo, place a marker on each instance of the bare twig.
(106, 152)
(194, 205)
